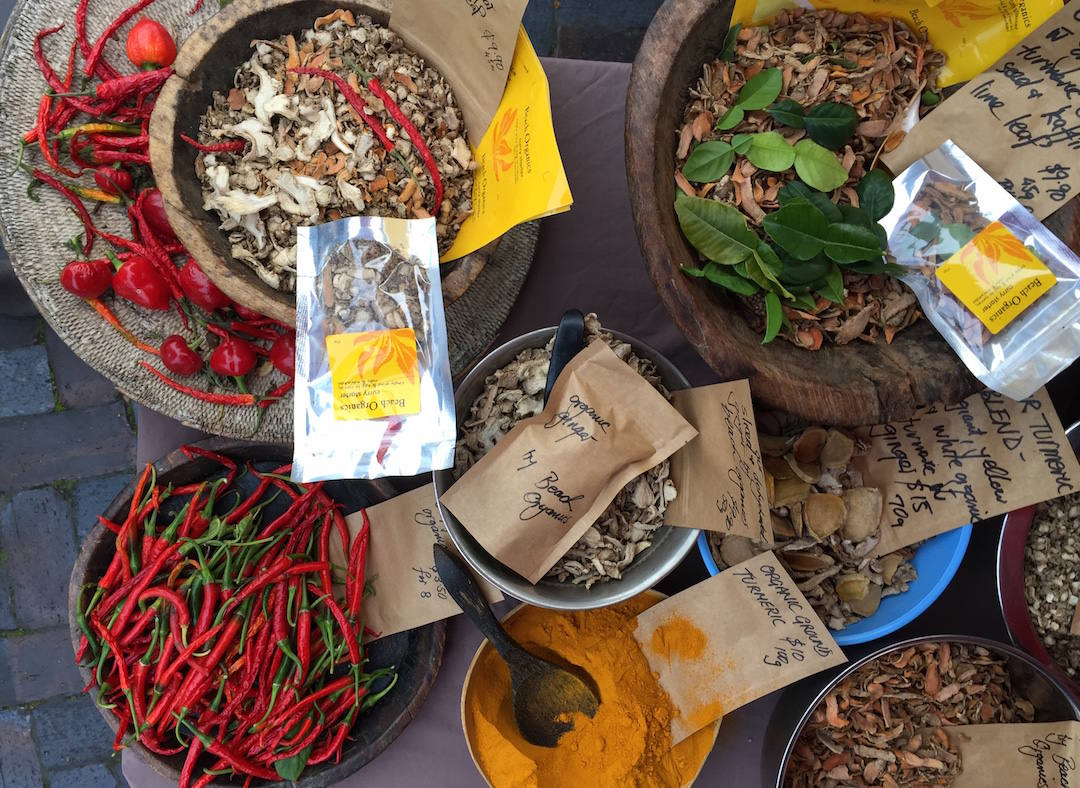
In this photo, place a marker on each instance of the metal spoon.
(545, 696)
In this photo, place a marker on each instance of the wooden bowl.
(852, 385)
(417, 653)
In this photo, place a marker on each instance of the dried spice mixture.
(878, 66)
(320, 142)
(826, 525)
(882, 725)
(1052, 578)
(625, 528)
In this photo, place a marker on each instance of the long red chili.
(205, 396)
(98, 49)
(77, 204)
(100, 307)
(353, 98)
(230, 146)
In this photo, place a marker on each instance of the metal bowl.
(1051, 700)
(669, 546)
(1010, 584)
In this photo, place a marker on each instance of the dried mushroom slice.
(789, 491)
(825, 514)
(735, 549)
(808, 447)
(864, 505)
(837, 451)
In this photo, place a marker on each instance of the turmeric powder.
(627, 743)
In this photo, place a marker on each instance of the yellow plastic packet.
(519, 174)
(973, 34)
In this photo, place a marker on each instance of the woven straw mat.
(34, 234)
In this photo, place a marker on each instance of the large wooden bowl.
(206, 63)
(852, 385)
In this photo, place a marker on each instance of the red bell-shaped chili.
(112, 180)
(139, 282)
(283, 354)
(87, 278)
(233, 357)
(150, 45)
(178, 357)
(153, 208)
(199, 289)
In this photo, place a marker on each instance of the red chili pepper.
(153, 209)
(116, 141)
(80, 209)
(245, 313)
(99, 46)
(178, 357)
(100, 307)
(229, 146)
(303, 643)
(211, 595)
(283, 354)
(392, 429)
(233, 357)
(139, 281)
(256, 332)
(204, 396)
(357, 563)
(353, 98)
(174, 599)
(194, 751)
(102, 155)
(343, 624)
(199, 289)
(119, 89)
(113, 181)
(87, 278)
(149, 44)
(332, 748)
(180, 660)
(235, 759)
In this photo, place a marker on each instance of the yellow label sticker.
(519, 174)
(996, 276)
(374, 374)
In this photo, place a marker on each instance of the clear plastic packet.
(1001, 288)
(374, 396)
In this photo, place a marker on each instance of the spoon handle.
(464, 590)
(569, 339)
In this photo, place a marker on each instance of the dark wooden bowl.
(206, 63)
(851, 385)
(417, 653)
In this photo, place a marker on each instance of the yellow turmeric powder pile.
(627, 743)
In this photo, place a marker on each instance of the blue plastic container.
(936, 561)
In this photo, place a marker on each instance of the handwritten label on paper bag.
(1020, 119)
(471, 42)
(718, 476)
(1036, 754)
(537, 492)
(758, 634)
(408, 591)
(951, 465)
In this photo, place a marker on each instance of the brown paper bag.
(951, 465)
(408, 592)
(718, 476)
(1016, 119)
(471, 42)
(755, 632)
(1017, 755)
(533, 496)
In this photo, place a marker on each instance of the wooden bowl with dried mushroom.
(271, 148)
(826, 526)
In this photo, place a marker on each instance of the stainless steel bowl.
(1051, 700)
(669, 547)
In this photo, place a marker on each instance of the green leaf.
(697, 273)
(878, 266)
(761, 89)
(730, 119)
(927, 230)
(768, 265)
(727, 50)
(805, 302)
(831, 124)
(833, 286)
(741, 143)
(719, 275)
(805, 272)
(818, 167)
(929, 98)
(774, 317)
(793, 190)
(710, 161)
(770, 151)
(789, 112)
(798, 228)
(853, 215)
(849, 243)
(876, 194)
(715, 229)
(291, 768)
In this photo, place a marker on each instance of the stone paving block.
(37, 666)
(39, 551)
(539, 21)
(19, 765)
(73, 444)
(78, 385)
(7, 615)
(18, 331)
(25, 388)
(71, 732)
(93, 776)
(91, 496)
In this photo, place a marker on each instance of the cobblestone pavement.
(69, 442)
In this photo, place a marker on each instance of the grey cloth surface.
(586, 259)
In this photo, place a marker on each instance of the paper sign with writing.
(1019, 120)
(408, 592)
(718, 475)
(1020, 755)
(951, 465)
(534, 495)
(471, 42)
(757, 634)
